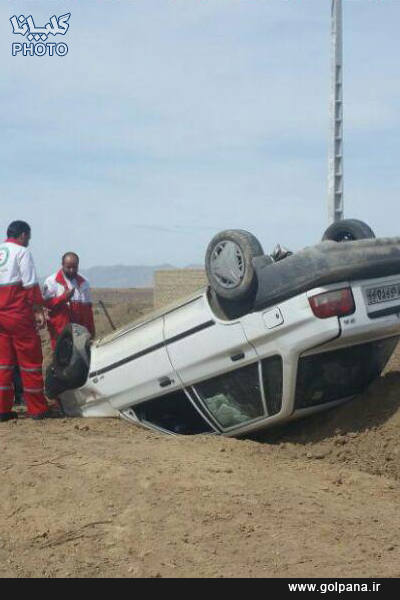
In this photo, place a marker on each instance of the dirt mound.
(363, 434)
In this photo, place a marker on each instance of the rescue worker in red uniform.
(21, 313)
(67, 296)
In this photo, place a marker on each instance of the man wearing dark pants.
(21, 312)
(18, 387)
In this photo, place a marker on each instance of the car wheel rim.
(227, 264)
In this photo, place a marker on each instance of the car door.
(200, 346)
(134, 367)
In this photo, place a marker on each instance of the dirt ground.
(104, 498)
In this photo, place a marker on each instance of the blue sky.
(170, 120)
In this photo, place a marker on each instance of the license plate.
(383, 293)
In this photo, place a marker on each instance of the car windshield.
(234, 398)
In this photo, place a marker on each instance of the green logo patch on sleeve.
(4, 255)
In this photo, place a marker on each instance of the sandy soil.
(104, 498)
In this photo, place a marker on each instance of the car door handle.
(165, 382)
(237, 357)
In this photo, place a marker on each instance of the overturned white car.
(268, 341)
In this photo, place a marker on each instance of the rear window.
(334, 375)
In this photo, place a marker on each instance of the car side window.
(233, 398)
(174, 413)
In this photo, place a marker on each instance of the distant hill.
(120, 276)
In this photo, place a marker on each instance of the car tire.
(348, 230)
(229, 264)
(72, 357)
(53, 386)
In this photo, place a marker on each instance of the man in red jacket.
(21, 313)
(68, 298)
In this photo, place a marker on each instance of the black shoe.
(19, 401)
(5, 417)
(49, 414)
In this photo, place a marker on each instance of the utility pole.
(335, 171)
